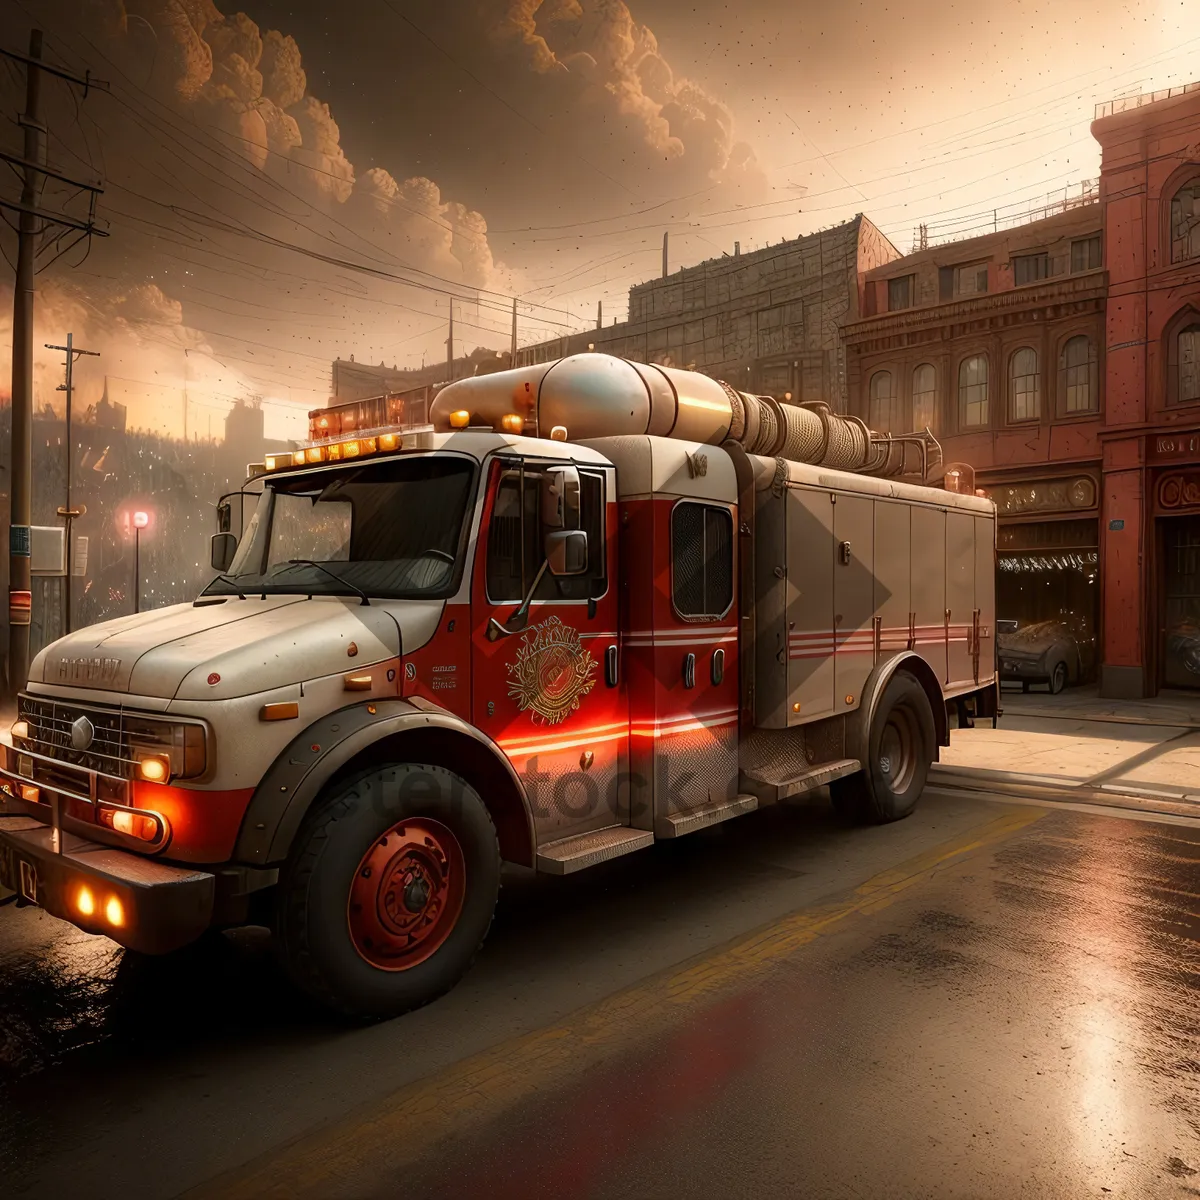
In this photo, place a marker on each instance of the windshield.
(389, 529)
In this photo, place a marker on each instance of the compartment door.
(960, 597)
(928, 550)
(853, 596)
(810, 567)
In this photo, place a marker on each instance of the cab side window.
(516, 540)
(701, 560)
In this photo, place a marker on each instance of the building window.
(924, 398)
(968, 280)
(1085, 254)
(1189, 365)
(701, 560)
(1078, 376)
(900, 293)
(973, 392)
(881, 415)
(1029, 268)
(1024, 386)
(1185, 222)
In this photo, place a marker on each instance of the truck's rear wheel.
(900, 748)
(389, 891)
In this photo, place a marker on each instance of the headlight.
(164, 748)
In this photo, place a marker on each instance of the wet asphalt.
(987, 1000)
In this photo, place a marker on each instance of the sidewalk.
(1097, 749)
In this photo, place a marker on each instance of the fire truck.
(587, 605)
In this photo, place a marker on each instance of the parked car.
(1048, 652)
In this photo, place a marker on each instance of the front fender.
(296, 778)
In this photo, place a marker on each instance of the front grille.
(50, 734)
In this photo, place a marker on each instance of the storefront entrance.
(1047, 601)
(1180, 604)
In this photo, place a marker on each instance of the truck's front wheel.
(389, 891)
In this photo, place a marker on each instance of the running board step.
(587, 849)
(806, 781)
(702, 818)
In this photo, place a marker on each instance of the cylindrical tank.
(599, 395)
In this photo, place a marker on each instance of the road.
(990, 999)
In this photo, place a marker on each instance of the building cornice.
(1083, 289)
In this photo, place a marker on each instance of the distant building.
(352, 380)
(766, 322)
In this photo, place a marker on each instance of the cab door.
(549, 688)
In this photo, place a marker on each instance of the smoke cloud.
(608, 60)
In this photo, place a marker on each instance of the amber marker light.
(114, 912)
(20, 729)
(314, 454)
(460, 419)
(390, 441)
(351, 449)
(298, 458)
(512, 423)
(357, 683)
(558, 433)
(281, 710)
(274, 461)
(85, 902)
(154, 768)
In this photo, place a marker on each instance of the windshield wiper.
(308, 562)
(233, 583)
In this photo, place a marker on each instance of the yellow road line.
(403, 1126)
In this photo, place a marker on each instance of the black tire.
(353, 825)
(1058, 677)
(900, 750)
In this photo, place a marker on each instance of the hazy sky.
(278, 199)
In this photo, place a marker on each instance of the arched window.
(1024, 386)
(973, 392)
(924, 398)
(1078, 376)
(1189, 364)
(882, 412)
(1185, 222)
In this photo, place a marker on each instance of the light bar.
(377, 442)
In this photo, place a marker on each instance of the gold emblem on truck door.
(552, 672)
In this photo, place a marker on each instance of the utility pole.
(512, 361)
(665, 237)
(34, 169)
(599, 314)
(67, 512)
(450, 346)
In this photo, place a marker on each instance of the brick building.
(996, 345)
(766, 321)
(1061, 360)
(1150, 548)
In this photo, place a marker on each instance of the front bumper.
(160, 907)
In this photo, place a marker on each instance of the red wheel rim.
(407, 894)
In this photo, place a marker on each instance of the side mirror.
(560, 498)
(222, 548)
(224, 516)
(567, 552)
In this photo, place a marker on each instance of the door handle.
(689, 670)
(717, 667)
(610, 666)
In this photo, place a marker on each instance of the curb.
(980, 779)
